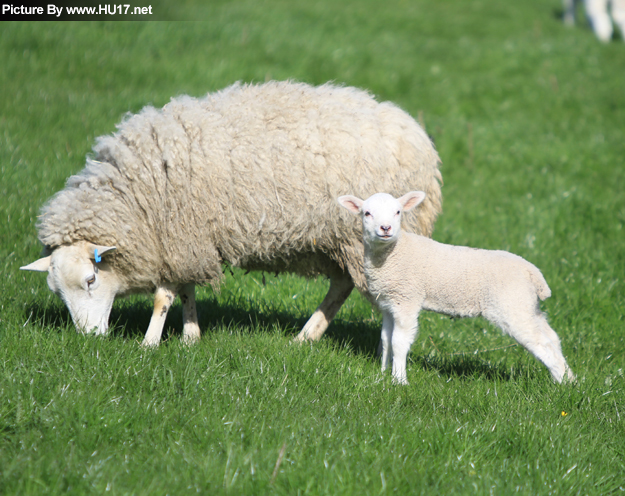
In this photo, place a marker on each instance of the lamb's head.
(381, 214)
(84, 281)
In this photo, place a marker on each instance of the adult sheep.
(248, 176)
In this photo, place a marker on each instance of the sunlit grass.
(528, 118)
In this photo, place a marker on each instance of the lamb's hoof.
(400, 381)
(569, 377)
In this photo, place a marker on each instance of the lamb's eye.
(398, 212)
(91, 280)
(367, 214)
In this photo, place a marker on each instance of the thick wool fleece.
(247, 175)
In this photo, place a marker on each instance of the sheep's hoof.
(190, 337)
(303, 338)
(149, 344)
(191, 332)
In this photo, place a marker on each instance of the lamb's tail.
(542, 288)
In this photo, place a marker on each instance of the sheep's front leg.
(597, 12)
(341, 286)
(385, 340)
(404, 333)
(569, 12)
(163, 299)
(191, 329)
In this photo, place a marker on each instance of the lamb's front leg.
(405, 330)
(163, 299)
(385, 340)
(191, 329)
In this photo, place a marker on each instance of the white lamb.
(406, 272)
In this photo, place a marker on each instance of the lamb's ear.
(411, 200)
(351, 203)
(96, 251)
(41, 265)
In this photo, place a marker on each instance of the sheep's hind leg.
(191, 329)
(597, 12)
(163, 299)
(618, 14)
(569, 12)
(341, 286)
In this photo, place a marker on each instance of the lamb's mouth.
(385, 236)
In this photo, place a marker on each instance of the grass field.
(529, 119)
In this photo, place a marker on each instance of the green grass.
(529, 119)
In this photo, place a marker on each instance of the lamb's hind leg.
(163, 299)
(557, 355)
(341, 286)
(191, 329)
(534, 333)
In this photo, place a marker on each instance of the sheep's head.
(84, 281)
(381, 214)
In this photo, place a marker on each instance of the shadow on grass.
(129, 321)
(53, 317)
(465, 367)
(558, 13)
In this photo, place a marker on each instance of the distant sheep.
(247, 176)
(598, 16)
(407, 273)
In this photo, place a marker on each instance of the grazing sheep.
(406, 273)
(598, 16)
(248, 176)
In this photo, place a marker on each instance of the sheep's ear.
(411, 200)
(101, 250)
(351, 203)
(41, 265)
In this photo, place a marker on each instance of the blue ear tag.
(97, 258)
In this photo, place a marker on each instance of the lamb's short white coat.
(406, 273)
